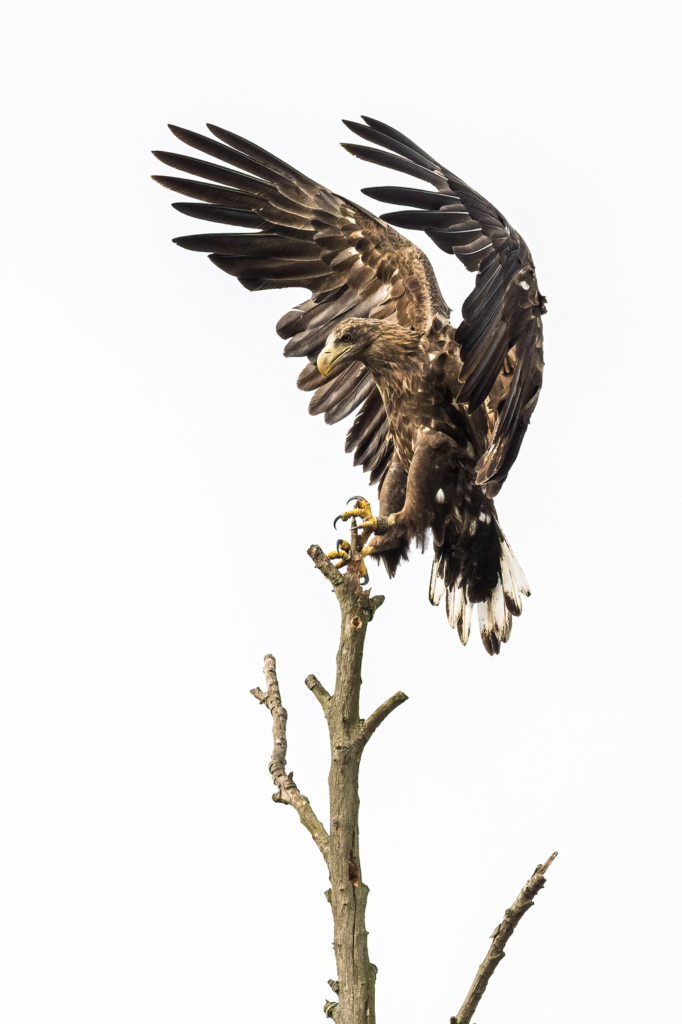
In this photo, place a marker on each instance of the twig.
(500, 937)
(382, 712)
(287, 790)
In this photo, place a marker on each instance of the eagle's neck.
(396, 359)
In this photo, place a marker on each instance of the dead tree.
(340, 847)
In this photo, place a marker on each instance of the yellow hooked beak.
(329, 356)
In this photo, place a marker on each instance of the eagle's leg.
(423, 488)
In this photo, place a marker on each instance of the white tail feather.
(464, 621)
(494, 620)
(459, 608)
(516, 570)
(514, 582)
(437, 585)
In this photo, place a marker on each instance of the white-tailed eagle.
(442, 412)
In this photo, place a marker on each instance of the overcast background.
(162, 480)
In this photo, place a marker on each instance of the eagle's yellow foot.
(342, 557)
(361, 510)
(369, 523)
(342, 553)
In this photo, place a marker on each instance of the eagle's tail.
(480, 569)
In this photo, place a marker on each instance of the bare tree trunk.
(348, 735)
(356, 975)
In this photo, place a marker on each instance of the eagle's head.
(361, 339)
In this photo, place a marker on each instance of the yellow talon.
(342, 553)
(367, 525)
(362, 510)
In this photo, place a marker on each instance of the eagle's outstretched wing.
(500, 336)
(305, 236)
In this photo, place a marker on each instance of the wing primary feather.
(260, 246)
(394, 162)
(214, 172)
(396, 195)
(382, 139)
(270, 268)
(454, 222)
(222, 152)
(217, 194)
(386, 129)
(220, 214)
(263, 157)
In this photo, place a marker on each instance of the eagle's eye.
(345, 337)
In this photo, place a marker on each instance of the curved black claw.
(364, 580)
(355, 497)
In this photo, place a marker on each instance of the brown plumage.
(443, 412)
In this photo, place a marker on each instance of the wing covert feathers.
(500, 336)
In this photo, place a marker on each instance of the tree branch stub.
(316, 688)
(382, 712)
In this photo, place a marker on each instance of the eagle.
(442, 411)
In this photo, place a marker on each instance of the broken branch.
(328, 570)
(500, 937)
(287, 790)
(382, 712)
(316, 687)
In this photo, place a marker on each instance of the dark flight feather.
(255, 245)
(396, 163)
(214, 172)
(220, 214)
(219, 150)
(388, 142)
(386, 129)
(215, 194)
(262, 156)
(417, 197)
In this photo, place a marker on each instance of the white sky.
(162, 481)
